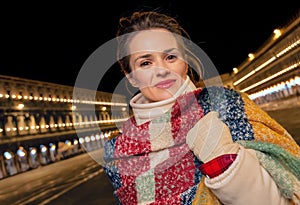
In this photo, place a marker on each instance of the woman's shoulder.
(218, 93)
(219, 89)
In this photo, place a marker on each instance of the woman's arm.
(246, 182)
(243, 180)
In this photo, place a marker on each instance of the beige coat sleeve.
(246, 182)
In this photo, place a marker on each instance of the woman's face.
(157, 65)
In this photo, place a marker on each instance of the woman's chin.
(163, 96)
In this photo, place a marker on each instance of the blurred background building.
(41, 123)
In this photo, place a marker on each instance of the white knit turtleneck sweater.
(145, 111)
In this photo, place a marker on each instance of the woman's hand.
(210, 138)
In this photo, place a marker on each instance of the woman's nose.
(162, 69)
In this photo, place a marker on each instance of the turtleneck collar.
(145, 111)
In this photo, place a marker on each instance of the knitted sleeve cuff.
(218, 165)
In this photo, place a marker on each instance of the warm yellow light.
(20, 106)
(251, 56)
(277, 33)
(235, 70)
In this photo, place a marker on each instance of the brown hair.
(145, 20)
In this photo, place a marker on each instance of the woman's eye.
(171, 57)
(145, 63)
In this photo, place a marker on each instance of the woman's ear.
(186, 67)
(131, 80)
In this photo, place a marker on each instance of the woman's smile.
(165, 84)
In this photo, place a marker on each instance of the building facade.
(41, 122)
(272, 72)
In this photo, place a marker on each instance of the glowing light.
(43, 148)
(87, 139)
(297, 80)
(274, 88)
(251, 56)
(52, 146)
(81, 140)
(277, 33)
(20, 106)
(272, 76)
(32, 151)
(21, 152)
(7, 155)
(68, 142)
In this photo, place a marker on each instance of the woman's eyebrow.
(148, 55)
(143, 56)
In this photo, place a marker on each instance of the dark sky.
(50, 42)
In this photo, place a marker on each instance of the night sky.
(50, 42)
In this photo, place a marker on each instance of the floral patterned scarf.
(151, 163)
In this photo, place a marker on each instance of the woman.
(189, 145)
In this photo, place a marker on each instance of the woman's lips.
(165, 84)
